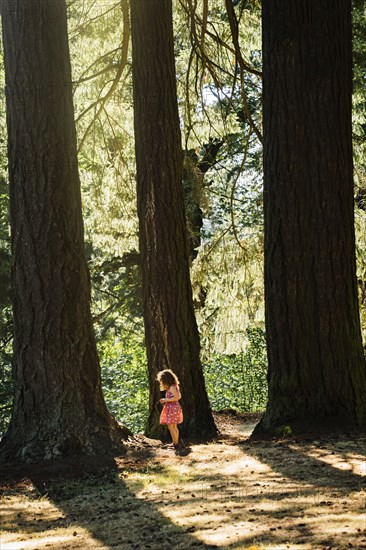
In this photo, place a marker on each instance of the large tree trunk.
(58, 403)
(316, 363)
(172, 339)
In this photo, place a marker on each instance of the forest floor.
(231, 493)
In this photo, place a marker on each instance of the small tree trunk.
(172, 339)
(316, 363)
(58, 403)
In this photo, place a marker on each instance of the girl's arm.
(176, 395)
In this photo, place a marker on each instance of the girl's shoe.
(181, 451)
(180, 446)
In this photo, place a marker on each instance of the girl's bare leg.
(174, 432)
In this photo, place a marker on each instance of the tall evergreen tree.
(58, 403)
(170, 327)
(316, 364)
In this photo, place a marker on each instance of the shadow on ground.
(91, 495)
(233, 493)
(295, 459)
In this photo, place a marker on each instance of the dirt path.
(232, 493)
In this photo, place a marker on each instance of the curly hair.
(167, 378)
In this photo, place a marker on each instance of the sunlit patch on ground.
(349, 460)
(229, 494)
(31, 523)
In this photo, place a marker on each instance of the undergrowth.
(232, 381)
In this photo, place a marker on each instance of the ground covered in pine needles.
(231, 493)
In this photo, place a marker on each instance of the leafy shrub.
(125, 381)
(239, 381)
(232, 381)
(6, 322)
(6, 385)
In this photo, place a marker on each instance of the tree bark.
(316, 364)
(58, 403)
(171, 333)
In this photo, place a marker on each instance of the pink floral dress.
(172, 412)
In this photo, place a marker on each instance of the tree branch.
(123, 62)
(239, 59)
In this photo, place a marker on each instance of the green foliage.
(6, 325)
(359, 97)
(4, 244)
(360, 228)
(233, 381)
(125, 382)
(239, 381)
(224, 192)
(6, 386)
(228, 292)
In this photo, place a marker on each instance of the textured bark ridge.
(170, 327)
(58, 403)
(316, 363)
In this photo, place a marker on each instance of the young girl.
(172, 413)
